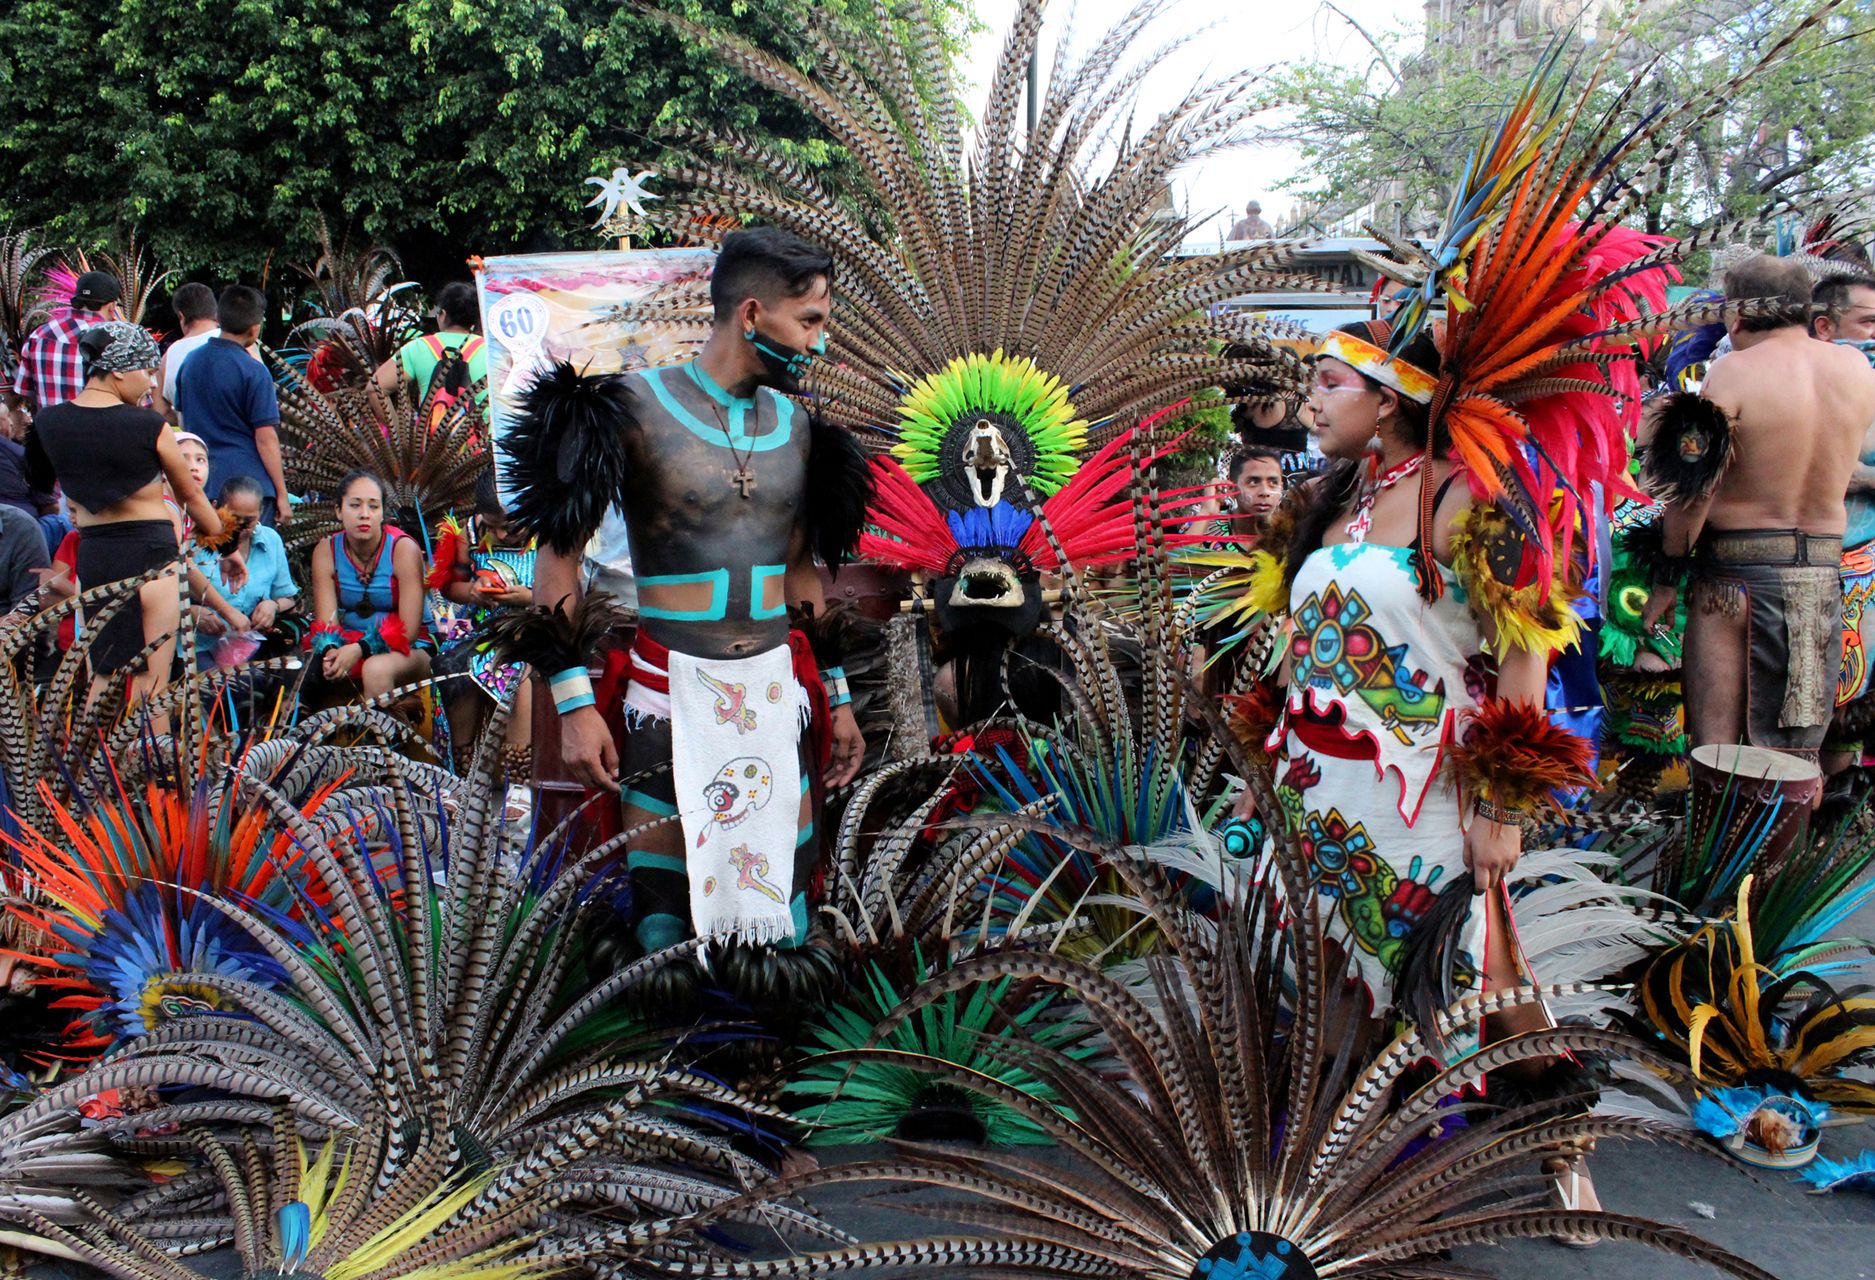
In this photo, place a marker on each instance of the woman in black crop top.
(111, 457)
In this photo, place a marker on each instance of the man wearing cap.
(1251, 226)
(51, 368)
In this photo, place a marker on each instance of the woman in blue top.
(371, 623)
(268, 595)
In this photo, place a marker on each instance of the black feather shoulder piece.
(566, 456)
(839, 491)
(1691, 449)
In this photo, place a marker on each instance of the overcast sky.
(1241, 33)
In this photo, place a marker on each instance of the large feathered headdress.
(1547, 294)
(1006, 310)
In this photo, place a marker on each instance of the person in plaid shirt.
(51, 368)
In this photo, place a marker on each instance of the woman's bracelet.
(572, 689)
(1496, 813)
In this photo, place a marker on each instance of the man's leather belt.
(1772, 547)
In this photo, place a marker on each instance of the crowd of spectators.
(120, 460)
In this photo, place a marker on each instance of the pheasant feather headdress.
(1005, 310)
(1547, 295)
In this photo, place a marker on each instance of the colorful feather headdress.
(1005, 310)
(1547, 297)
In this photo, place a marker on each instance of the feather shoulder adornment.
(566, 457)
(1494, 564)
(1513, 756)
(839, 490)
(1692, 447)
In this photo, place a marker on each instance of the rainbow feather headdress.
(1548, 297)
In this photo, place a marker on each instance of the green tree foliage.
(1401, 127)
(222, 129)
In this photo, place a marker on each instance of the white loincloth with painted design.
(735, 761)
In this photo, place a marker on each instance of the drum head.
(1757, 763)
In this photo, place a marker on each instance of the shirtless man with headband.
(1753, 470)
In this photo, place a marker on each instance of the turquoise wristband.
(839, 693)
(571, 689)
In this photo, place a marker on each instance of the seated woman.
(111, 456)
(371, 624)
(265, 592)
(486, 569)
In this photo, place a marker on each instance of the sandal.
(1566, 1176)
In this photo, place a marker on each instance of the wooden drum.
(1750, 796)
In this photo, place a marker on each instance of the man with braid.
(719, 729)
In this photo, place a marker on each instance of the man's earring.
(749, 333)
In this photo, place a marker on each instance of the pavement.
(1766, 1217)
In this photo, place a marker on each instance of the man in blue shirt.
(227, 397)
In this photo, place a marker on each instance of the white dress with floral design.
(1377, 679)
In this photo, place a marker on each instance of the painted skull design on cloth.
(740, 787)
